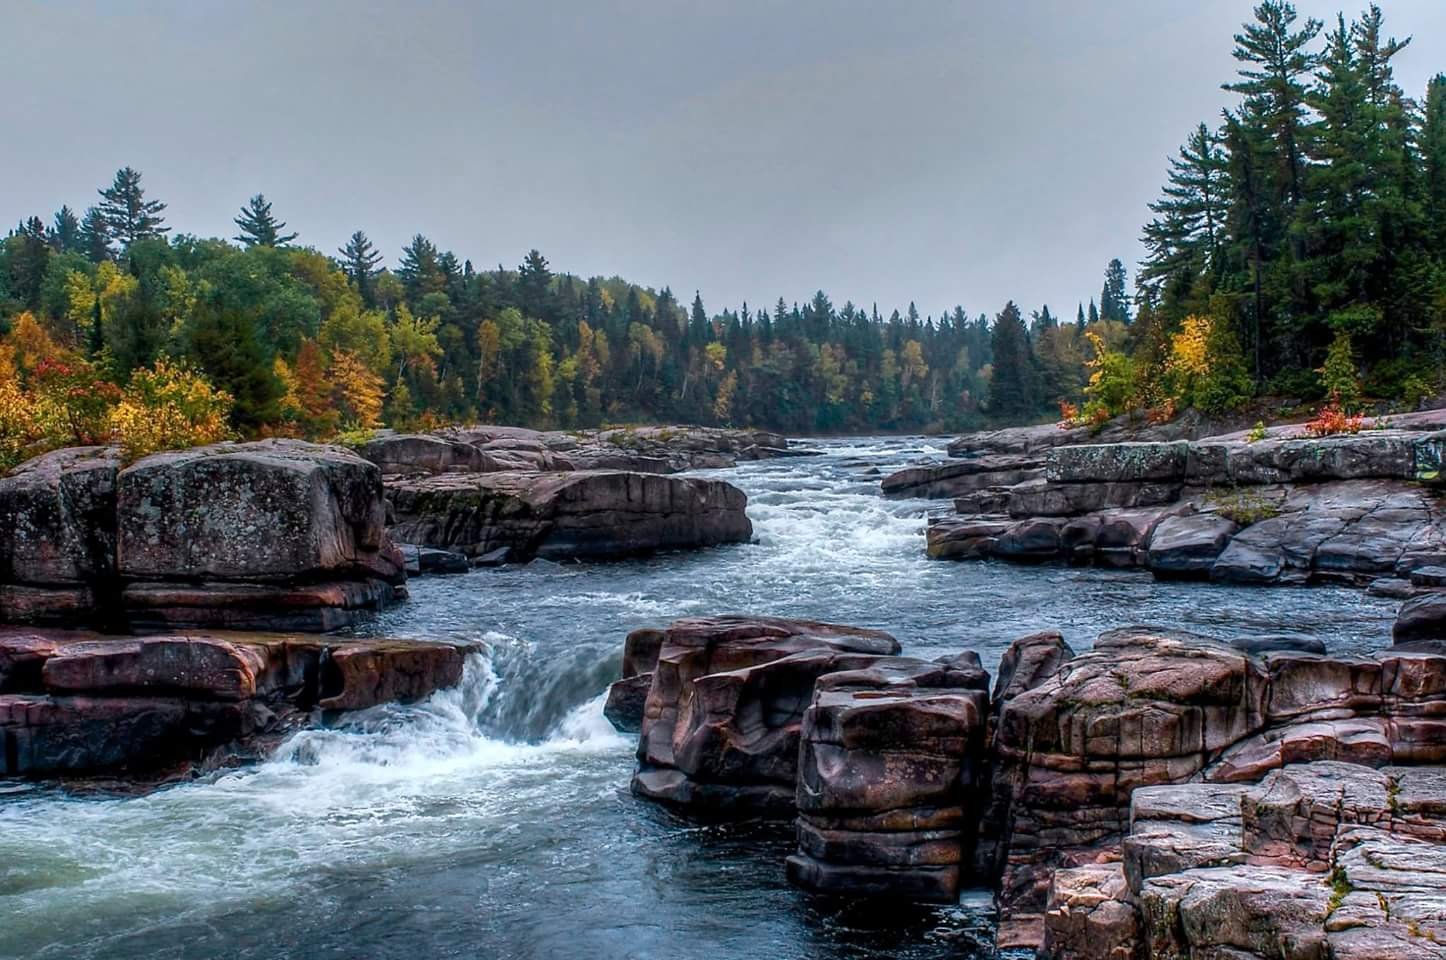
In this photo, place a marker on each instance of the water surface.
(493, 821)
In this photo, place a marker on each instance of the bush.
(1339, 377)
(1111, 384)
(1332, 420)
(169, 406)
(1206, 369)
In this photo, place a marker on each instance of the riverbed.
(494, 821)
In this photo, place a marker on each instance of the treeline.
(1309, 223)
(309, 343)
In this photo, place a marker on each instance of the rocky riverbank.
(1160, 795)
(1283, 509)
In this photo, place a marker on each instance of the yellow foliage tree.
(169, 406)
(358, 391)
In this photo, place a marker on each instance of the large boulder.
(1184, 547)
(277, 534)
(628, 696)
(888, 767)
(272, 510)
(721, 725)
(560, 516)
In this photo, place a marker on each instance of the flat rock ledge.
(77, 704)
(1159, 796)
(1284, 510)
(569, 515)
(484, 448)
(275, 534)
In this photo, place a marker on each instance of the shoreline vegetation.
(1298, 250)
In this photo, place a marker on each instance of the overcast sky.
(889, 151)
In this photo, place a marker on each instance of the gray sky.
(941, 152)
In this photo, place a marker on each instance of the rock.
(269, 510)
(889, 757)
(1273, 643)
(84, 703)
(273, 534)
(1187, 546)
(493, 558)
(951, 538)
(563, 516)
(1118, 463)
(945, 480)
(1428, 577)
(626, 701)
(627, 697)
(404, 454)
(1393, 588)
(1031, 541)
(1087, 917)
(1421, 618)
(1142, 708)
(1040, 498)
(58, 511)
(720, 729)
(420, 560)
(312, 608)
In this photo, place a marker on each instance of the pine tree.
(1275, 62)
(65, 231)
(94, 237)
(1184, 238)
(128, 215)
(259, 227)
(1114, 301)
(27, 255)
(418, 269)
(359, 259)
(1011, 389)
(534, 278)
(1094, 312)
(1433, 156)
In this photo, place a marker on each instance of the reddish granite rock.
(889, 758)
(83, 703)
(1086, 916)
(58, 513)
(629, 696)
(720, 728)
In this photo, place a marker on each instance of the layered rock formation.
(78, 703)
(1286, 509)
(491, 449)
(1322, 859)
(721, 724)
(583, 514)
(277, 534)
(1160, 795)
(888, 778)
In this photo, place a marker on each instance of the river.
(494, 821)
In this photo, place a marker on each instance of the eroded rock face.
(720, 729)
(629, 696)
(83, 703)
(888, 768)
(577, 515)
(276, 534)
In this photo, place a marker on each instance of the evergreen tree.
(1114, 301)
(418, 270)
(27, 254)
(1011, 389)
(359, 259)
(128, 215)
(259, 227)
(534, 278)
(1433, 155)
(65, 232)
(94, 237)
(1275, 62)
(1185, 235)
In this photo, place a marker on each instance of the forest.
(1297, 250)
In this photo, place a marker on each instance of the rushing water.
(493, 821)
